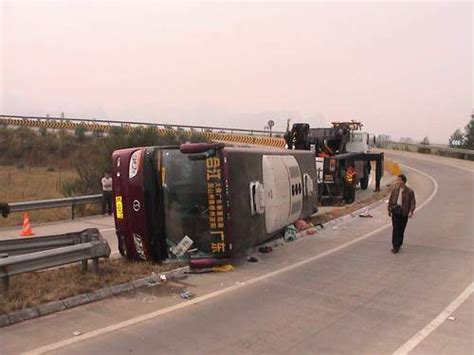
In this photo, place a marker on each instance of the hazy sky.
(404, 69)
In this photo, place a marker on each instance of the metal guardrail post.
(84, 262)
(4, 280)
(89, 245)
(95, 265)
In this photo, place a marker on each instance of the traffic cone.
(26, 226)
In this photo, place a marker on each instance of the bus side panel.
(245, 167)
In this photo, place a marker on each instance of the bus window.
(185, 199)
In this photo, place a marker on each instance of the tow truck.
(335, 149)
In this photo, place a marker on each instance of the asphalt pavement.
(340, 291)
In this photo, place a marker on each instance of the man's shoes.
(394, 251)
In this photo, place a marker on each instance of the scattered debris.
(186, 295)
(301, 225)
(197, 272)
(223, 268)
(365, 214)
(335, 228)
(152, 284)
(148, 299)
(77, 333)
(205, 262)
(163, 278)
(290, 233)
(252, 259)
(451, 318)
(182, 246)
(265, 249)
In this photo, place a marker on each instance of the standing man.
(107, 193)
(349, 184)
(401, 206)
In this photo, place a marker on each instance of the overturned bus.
(224, 199)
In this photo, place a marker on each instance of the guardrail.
(99, 124)
(465, 154)
(234, 135)
(86, 245)
(55, 203)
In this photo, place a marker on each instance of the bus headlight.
(134, 164)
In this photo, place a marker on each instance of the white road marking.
(435, 323)
(211, 295)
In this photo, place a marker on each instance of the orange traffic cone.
(26, 226)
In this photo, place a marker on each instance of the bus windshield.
(185, 198)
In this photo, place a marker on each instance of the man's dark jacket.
(408, 200)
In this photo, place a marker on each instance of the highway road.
(339, 292)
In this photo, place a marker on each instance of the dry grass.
(33, 183)
(33, 289)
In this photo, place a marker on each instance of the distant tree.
(425, 141)
(43, 131)
(427, 150)
(457, 139)
(469, 134)
(80, 132)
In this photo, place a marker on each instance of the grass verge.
(33, 289)
(30, 184)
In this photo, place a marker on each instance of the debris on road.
(252, 259)
(186, 295)
(265, 249)
(301, 225)
(452, 318)
(77, 333)
(203, 262)
(182, 247)
(365, 214)
(223, 268)
(163, 278)
(148, 299)
(290, 233)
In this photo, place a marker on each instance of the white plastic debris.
(451, 318)
(77, 333)
(335, 228)
(163, 278)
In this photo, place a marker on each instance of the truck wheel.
(364, 183)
